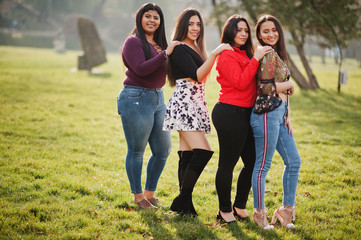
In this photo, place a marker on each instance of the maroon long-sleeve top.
(140, 72)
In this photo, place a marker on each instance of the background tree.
(333, 22)
(337, 23)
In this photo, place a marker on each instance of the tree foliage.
(335, 22)
(331, 22)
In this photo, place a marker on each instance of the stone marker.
(94, 53)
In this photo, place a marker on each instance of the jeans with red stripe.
(270, 134)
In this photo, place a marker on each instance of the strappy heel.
(239, 217)
(260, 218)
(219, 217)
(285, 222)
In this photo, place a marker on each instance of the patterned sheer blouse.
(271, 69)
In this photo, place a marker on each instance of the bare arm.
(284, 86)
(206, 67)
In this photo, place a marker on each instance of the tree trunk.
(297, 75)
(312, 78)
(252, 14)
(218, 19)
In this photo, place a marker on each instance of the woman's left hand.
(289, 125)
(221, 48)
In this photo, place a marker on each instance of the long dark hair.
(281, 44)
(230, 30)
(159, 35)
(181, 29)
(180, 33)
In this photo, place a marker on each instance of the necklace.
(157, 47)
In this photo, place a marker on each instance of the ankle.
(260, 218)
(241, 212)
(288, 213)
(227, 216)
(260, 211)
(138, 197)
(148, 194)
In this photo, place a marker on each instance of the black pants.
(235, 139)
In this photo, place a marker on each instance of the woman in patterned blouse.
(271, 124)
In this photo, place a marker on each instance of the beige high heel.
(260, 218)
(285, 221)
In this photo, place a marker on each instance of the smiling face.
(268, 33)
(150, 22)
(242, 34)
(194, 28)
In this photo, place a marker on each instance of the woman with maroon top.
(231, 115)
(187, 109)
(141, 102)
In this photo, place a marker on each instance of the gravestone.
(93, 50)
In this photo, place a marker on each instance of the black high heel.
(238, 216)
(219, 217)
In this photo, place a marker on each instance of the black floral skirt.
(187, 108)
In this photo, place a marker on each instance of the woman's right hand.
(171, 47)
(261, 51)
(291, 89)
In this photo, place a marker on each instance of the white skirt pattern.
(187, 108)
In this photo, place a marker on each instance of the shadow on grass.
(157, 224)
(186, 227)
(236, 230)
(161, 223)
(99, 74)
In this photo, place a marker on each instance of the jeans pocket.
(120, 104)
(134, 93)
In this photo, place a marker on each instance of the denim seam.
(264, 158)
(287, 197)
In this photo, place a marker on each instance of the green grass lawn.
(62, 158)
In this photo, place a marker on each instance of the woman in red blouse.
(231, 115)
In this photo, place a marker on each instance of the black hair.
(281, 43)
(159, 35)
(180, 33)
(230, 30)
(181, 29)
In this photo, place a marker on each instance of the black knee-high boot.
(183, 203)
(184, 158)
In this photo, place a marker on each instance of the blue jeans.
(142, 112)
(270, 134)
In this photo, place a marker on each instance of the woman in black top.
(187, 109)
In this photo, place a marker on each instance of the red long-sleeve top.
(236, 75)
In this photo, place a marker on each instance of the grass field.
(62, 153)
